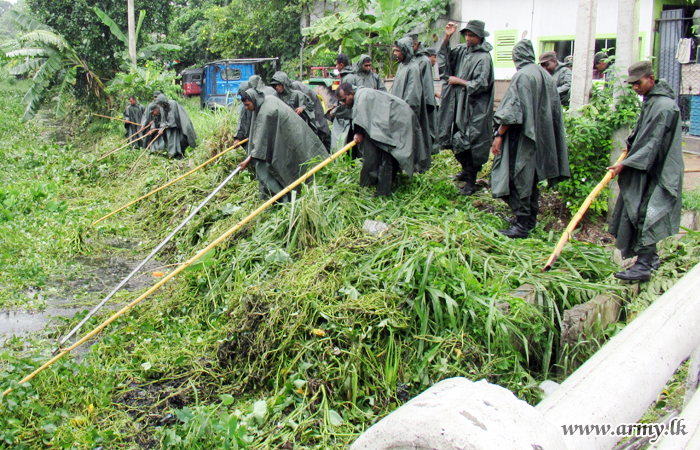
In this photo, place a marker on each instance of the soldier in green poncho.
(408, 86)
(650, 177)
(366, 77)
(466, 109)
(297, 100)
(244, 116)
(388, 134)
(178, 129)
(133, 113)
(151, 124)
(338, 114)
(282, 146)
(529, 144)
(561, 74)
(422, 57)
(322, 130)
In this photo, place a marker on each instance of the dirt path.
(692, 180)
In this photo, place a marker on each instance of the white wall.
(538, 18)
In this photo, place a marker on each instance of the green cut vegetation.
(300, 331)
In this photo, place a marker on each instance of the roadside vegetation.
(298, 332)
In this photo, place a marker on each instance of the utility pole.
(626, 54)
(583, 53)
(132, 31)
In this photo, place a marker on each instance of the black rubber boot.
(520, 230)
(470, 187)
(642, 269)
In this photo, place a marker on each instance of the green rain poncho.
(323, 131)
(244, 116)
(408, 86)
(155, 122)
(341, 115)
(295, 99)
(651, 184)
(466, 113)
(534, 147)
(368, 79)
(390, 124)
(562, 79)
(426, 71)
(133, 114)
(281, 143)
(179, 131)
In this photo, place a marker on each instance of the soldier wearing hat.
(561, 74)
(650, 177)
(466, 110)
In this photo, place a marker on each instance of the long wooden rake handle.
(188, 263)
(171, 182)
(579, 215)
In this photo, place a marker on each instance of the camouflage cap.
(431, 51)
(548, 56)
(639, 70)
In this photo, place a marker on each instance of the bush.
(141, 82)
(589, 140)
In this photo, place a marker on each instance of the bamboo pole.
(144, 150)
(579, 215)
(171, 182)
(194, 212)
(185, 265)
(128, 142)
(116, 118)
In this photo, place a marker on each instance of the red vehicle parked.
(192, 81)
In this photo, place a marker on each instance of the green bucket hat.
(638, 70)
(476, 27)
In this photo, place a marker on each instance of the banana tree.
(374, 24)
(143, 53)
(43, 53)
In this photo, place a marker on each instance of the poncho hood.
(422, 51)
(255, 82)
(283, 79)
(361, 61)
(523, 54)
(257, 96)
(662, 88)
(483, 47)
(405, 45)
(163, 101)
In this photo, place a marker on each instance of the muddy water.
(84, 280)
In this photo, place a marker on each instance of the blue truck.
(223, 78)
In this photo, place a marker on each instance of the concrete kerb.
(458, 414)
(615, 386)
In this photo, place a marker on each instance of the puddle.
(84, 279)
(17, 323)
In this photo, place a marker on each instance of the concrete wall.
(551, 20)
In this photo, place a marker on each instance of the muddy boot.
(470, 187)
(520, 230)
(642, 269)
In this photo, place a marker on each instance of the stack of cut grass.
(302, 329)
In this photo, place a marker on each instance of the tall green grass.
(301, 330)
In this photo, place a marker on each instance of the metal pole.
(63, 352)
(152, 254)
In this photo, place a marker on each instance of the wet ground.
(81, 284)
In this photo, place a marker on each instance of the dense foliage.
(373, 27)
(300, 331)
(589, 137)
(77, 22)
